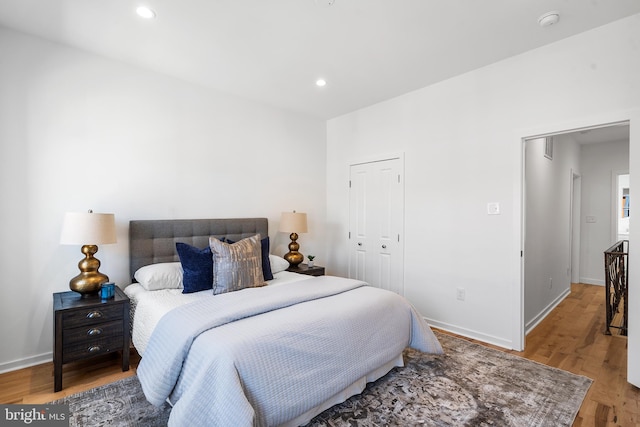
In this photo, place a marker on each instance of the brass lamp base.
(89, 281)
(293, 256)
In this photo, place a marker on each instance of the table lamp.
(89, 230)
(294, 223)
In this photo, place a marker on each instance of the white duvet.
(147, 307)
(267, 356)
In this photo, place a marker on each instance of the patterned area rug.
(470, 385)
(119, 404)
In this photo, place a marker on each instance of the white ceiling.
(272, 51)
(613, 133)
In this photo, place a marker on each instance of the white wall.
(599, 163)
(78, 131)
(548, 225)
(462, 141)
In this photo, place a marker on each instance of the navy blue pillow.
(266, 264)
(197, 268)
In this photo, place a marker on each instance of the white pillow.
(165, 275)
(278, 264)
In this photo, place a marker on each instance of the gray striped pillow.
(236, 266)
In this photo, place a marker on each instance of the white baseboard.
(14, 365)
(490, 339)
(528, 327)
(590, 281)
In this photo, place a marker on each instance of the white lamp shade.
(293, 222)
(88, 229)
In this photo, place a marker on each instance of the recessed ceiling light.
(549, 19)
(321, 82)
(145, 12)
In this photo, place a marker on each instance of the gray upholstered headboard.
(154, 241)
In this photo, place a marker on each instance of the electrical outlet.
(460, 294)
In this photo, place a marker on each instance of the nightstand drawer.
(93, 315)
(92, 348)
(91, 332)
(88, 326)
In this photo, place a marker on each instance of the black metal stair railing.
(616, 264)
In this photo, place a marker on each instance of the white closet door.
(376, 202)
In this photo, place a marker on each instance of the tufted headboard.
(154, 241)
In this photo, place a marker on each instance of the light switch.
(493, 208)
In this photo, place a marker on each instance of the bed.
(272, 355)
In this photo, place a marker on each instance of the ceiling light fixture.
(549, 19)
(321, 82)
(145, 12)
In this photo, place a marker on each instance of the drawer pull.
(94, 315)
(94, 348)
(94, 331)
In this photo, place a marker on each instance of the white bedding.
(278, 354)
(147, 307)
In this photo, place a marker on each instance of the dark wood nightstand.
(88, 327)
(316, 270)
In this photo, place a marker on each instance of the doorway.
(621, 206)
(576, 185)
(567, 211)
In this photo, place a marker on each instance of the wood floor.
(569, 338)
